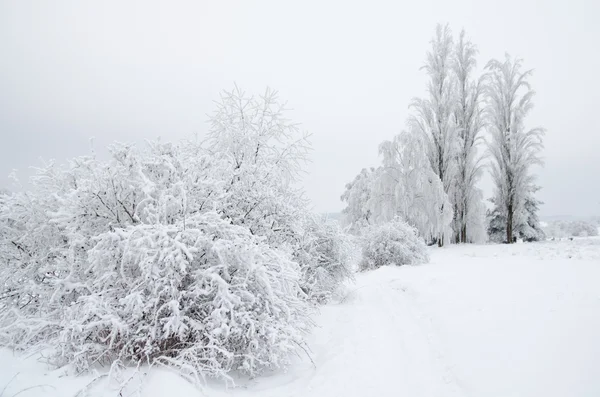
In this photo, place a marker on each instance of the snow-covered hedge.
(392, 243)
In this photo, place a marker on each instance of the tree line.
(430, 171)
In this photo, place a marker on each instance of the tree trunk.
(509, 225)
(441, 238)
(463, 232)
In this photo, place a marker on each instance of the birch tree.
(513, 148)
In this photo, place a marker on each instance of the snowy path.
(384, 340)
(374, 340)
(492, 321)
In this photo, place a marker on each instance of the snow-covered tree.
(409, 189)
(403, 186)
(476, 219)
(496, 229)
(530, 229)
(513, 149)
(497, 226)
(434, 117)
(467, 198)
(261, 153)
(358, 213)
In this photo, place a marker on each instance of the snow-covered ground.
(493, 320)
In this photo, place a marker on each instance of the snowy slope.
(491, 320)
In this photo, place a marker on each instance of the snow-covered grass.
(490, 320)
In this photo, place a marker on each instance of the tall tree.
(513, 148)
(467, 198)
(434, 117)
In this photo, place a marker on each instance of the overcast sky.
(130, 71)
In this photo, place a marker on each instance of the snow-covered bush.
(571, 229)
(210, 296)
(392, 243)
(31, 246)
(325, 258)
(119, 264)
(198, 255)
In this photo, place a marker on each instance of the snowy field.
(494, 320)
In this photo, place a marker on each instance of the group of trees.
(430, 171)
(199, 255)
(560, 229)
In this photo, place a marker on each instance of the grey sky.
(130, 71)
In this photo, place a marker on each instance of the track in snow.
(376, 343)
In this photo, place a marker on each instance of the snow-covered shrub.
(210, 297)
(325, 257)
(199, 255)
(392, 243)
(113, 264)
(31, 247)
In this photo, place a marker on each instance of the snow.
(488, 320)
